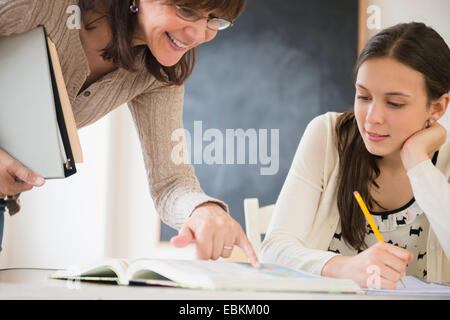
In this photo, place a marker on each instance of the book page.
(201, 274)
(109, 269)
(238, 270)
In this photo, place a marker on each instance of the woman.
(393, 151)
(140, 53)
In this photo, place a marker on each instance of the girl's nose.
(375, 113)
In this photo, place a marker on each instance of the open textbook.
(201, 274)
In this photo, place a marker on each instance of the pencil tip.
(403, 282)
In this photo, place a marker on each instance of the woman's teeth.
(176, 42)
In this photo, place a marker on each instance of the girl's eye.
(396, 105)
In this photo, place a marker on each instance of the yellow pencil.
(370, 220)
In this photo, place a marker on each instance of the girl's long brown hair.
(123, 24)
(422, 49)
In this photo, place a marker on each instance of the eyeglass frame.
(200, 16)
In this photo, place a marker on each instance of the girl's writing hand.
(380, 267)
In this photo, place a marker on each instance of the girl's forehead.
(390, 70)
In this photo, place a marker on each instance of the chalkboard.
(282, 64)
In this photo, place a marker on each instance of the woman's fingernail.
(255, 264)
(39, 180)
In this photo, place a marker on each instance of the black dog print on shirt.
(415, 231)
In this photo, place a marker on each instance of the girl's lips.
(375, 137)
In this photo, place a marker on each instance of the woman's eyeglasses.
(213, 23)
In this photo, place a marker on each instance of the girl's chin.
(381, 152)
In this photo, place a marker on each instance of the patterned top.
(406, 227)
(306, 214)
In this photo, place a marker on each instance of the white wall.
(63, 221)
(434, 13)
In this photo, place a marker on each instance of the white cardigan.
(306, 213)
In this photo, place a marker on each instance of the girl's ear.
(439, 107)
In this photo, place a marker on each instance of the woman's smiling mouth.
(179, 45)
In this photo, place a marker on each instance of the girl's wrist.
(411, 158)
(333, 268)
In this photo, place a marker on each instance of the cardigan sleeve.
(18, 16)
(15, 16)
(297, 204)
(174, 187)
(432, 192)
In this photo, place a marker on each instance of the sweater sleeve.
(432, 192)
(15, 16)
(174, 187)
(18, 16)
(297, 205)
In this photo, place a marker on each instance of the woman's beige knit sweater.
(156, 109)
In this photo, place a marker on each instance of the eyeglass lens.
(189, 14)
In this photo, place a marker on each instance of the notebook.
(416, 287)
(205, 274)
(37, 126)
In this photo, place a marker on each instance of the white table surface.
(35, 284)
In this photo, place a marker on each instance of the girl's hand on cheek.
(422, 145)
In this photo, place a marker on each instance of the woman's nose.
(199, 33)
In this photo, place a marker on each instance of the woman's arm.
(176, 192)
(14, 16)
(18, 16)
(158, 116)
(297, 205)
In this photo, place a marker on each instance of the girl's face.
(167, 36)
(390, 104)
